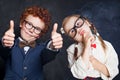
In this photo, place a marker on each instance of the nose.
(32, 29)
(80, 31)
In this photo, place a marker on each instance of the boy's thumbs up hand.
(57, 40)
(11, 26)
(54, 31)
(9, 36)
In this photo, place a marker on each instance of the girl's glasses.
(78, 24)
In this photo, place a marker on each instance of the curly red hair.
(36, 11)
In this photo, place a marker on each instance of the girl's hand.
(95, 63)
(87, 39)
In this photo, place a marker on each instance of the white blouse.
(108, 57)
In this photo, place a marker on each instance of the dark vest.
(29, 66)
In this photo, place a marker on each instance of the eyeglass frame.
(32, 26)
(75, 27)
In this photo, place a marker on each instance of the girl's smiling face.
(76, 27)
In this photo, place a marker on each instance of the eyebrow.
(33, 25)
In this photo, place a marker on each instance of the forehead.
(36, 21)
(70, 23)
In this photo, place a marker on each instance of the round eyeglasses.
(29, 26)
(78, 24)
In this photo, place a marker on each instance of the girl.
(90, 57)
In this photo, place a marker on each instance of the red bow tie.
(93, 45)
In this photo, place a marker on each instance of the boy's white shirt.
(109, 58)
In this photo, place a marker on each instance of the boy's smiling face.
(31, 28)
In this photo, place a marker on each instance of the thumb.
(55, 28)
(11, 25)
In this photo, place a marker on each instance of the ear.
(20, 25)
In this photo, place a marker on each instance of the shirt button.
(25, 67)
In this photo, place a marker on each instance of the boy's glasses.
(29, 26)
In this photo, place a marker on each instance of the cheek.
(86, 28)
(78, 38)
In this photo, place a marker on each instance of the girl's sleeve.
(111, 63)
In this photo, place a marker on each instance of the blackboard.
(104, 14)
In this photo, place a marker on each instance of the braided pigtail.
(94, 31)
(76, 51)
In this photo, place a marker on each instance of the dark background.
(105, 14)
